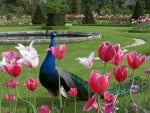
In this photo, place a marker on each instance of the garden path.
(136, 43)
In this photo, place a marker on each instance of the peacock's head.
(53, 34)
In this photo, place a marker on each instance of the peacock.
(49, 77)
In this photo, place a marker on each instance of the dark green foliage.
(56, 6)
(88, 19)
(138, 10)
(55, 19)
(147, 6)
(38, 17)
(74, 7)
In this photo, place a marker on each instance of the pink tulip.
(12, 83)
(106, 51)
(110, 104)
(44, 109)
(10, 97)
(90, 103)
(109, 108)
(13, 69)
(73, 92)
(120, 73)
(118, 57)
(109, 97)
(134, 60)
(87, 62)
(59, 53)
(11, 56)
(31, 84)
(98, 83)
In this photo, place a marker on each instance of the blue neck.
(52, 43)
(49, 62)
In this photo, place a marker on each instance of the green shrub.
(38, 17)
(138, 10)
(55, 19)
(54, 27)
(88, 19)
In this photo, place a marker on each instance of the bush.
(138, 10)
(38, 17)
(88, 19)
(54, 27)
(55, 19)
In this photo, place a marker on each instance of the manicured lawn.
(74, 50)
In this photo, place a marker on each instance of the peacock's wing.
(70, 80)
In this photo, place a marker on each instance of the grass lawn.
(74, 50)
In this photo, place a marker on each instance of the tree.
(38, 17)
(56, 6)
(138, 10)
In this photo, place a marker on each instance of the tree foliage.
(74, 6)
(56, 6)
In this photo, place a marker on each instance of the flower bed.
(99, 80)
(100, 19)
(8, 20)
(142, 24)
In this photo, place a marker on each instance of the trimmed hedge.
(38, 17)
(54, 27)
(55, 19)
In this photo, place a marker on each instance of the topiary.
(138, 10)
(88, 19)
(38, 17)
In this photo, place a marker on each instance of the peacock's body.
(49, 77)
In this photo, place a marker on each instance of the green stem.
(118, 90)
(30, 97)
(34, 102)
(99, 106)
(75, 105)
(131, 96)
(13, 102)
(1, 99)
(60, 97)
(105, 67)
(34, 111)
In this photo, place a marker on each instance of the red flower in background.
(120, 73)
(12, 83)
(98, 83)
(44, 109)
(10, 97)
(59, 53)
(73, 92)
(134, 60)
(31, 84)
